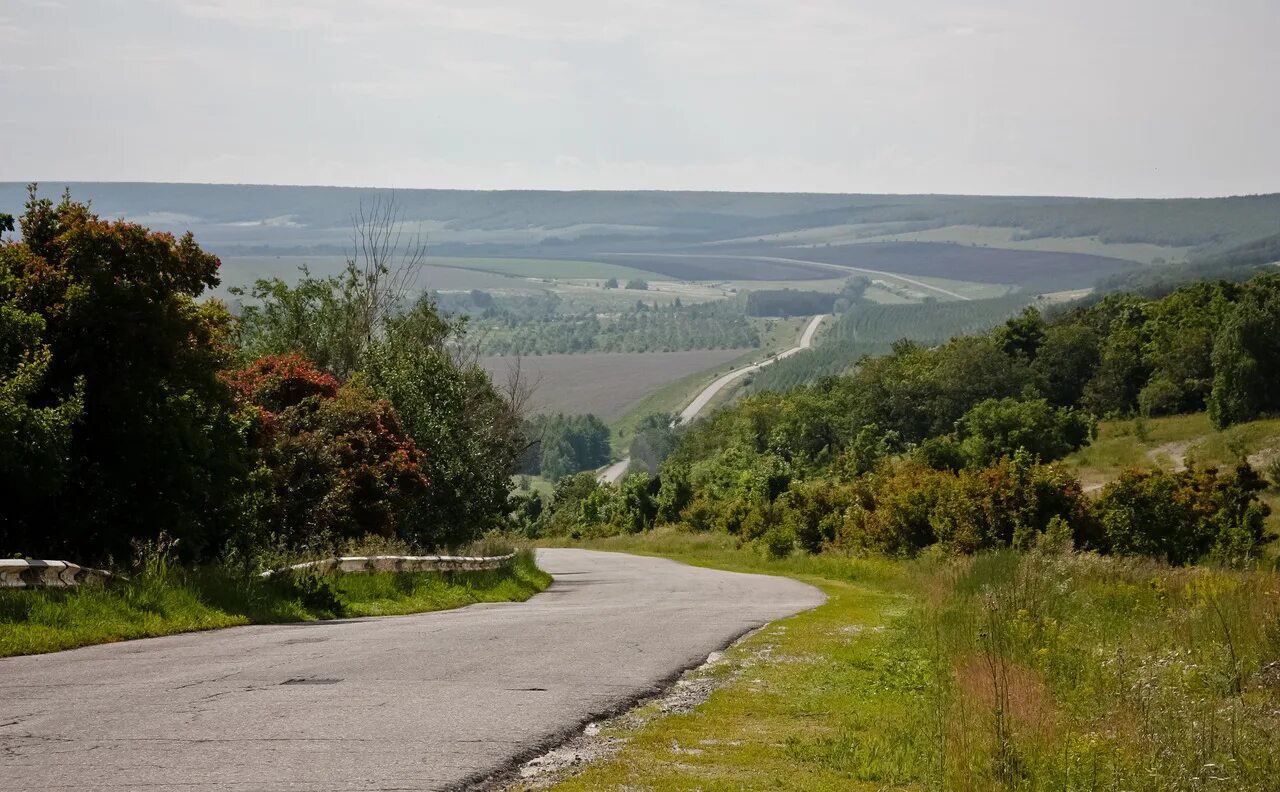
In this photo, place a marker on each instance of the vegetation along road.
(430, 701)
(618, 469)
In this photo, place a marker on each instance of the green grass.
(163, 600)
(1044, 670)
(1168, 441)
(548, 268)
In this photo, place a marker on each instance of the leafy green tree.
(654, 440)
(636, 506)
(1181, 328)
(159, 444)
(35, 454)
(1246, 358)
(469, 432)
(998, 428)
(1022, 335)
(1065, 361)
(561, 445)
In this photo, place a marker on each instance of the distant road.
(433, 701)
(835, 267)
(615, 471)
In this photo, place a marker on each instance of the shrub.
(336, 463)
(997, 428)
(1184, 516)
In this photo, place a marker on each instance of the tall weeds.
(1074, 671)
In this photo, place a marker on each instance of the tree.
(1022, 335)
(6, 224)
(1065, 362)
(654, 440)
(1246, 358)
(469, 431)
(998, 428)
(159, 444)
(335, 461)
(423, 364)
(35, 452)
(333, 321)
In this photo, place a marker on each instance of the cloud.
(930, 95)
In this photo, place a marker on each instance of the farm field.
(605, 384)
(986, 236)
(722, 267)
(970, 289)
(1040, 269)
(244, 270)
(775, 335)
(546, 268)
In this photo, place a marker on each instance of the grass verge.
(1042, 670)
(163, 599)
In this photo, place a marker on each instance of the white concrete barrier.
(19, 573)
(357, 564)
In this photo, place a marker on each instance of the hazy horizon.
(988, 97)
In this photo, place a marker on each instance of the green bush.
(1184, 516)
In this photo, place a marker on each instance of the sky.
(1115, 98)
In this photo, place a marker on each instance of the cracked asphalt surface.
(433, 701)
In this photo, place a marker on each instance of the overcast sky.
(1087, 97)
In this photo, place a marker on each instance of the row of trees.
(328, 409)
(564, 444)
(643, 328)
(794, 302)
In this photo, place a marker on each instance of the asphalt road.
(433, 701)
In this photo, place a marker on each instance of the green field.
(987, 236)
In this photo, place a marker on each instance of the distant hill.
(282, 220)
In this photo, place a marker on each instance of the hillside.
(1090, 238)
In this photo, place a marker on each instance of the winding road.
(617, 470)
(434, 701)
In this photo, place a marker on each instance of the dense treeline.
(953, 445)
(329, 409)
(564, 444)
(642, 328)
(794, 302)
(871, 328)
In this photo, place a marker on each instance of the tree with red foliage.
(335, 461)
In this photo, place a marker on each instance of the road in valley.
(432, 701)
(617, 470)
